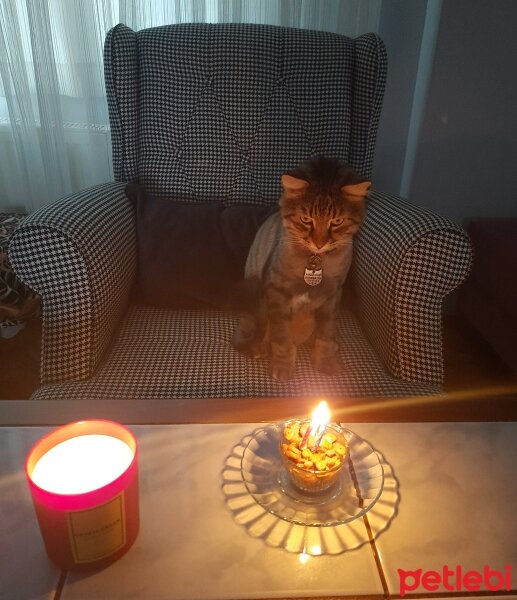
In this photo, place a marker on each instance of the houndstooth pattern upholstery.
(121, 73)
(406, 260)
(217, 113)
(172, 354)
(79, 254)
(268, 96)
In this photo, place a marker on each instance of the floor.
(19, 360)
(470, 361)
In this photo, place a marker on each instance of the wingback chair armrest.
(407, 259)
(79, 254)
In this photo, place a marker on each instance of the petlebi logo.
(455, 579)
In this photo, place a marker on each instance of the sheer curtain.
(54, 128)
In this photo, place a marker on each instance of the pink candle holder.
(88, 514)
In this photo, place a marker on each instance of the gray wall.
(401, 28)
(466, 161)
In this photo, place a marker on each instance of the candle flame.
(320, 418)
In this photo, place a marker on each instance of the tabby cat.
(296, 267)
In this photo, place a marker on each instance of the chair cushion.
(188, 354)
(190, 255)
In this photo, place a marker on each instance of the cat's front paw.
(281, 371)
(282, 364)
(325, 357)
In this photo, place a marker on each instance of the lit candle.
(83, 479)
(319, 421)
(313, 453)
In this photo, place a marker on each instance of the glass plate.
(358, 488)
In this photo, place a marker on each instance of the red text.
(455, 580)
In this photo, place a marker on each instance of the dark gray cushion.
(191, 254)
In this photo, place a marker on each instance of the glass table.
(448, 501)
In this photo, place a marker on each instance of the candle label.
(97, 532)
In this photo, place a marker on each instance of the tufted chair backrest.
(204, 112)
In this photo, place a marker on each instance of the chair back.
(203, 112)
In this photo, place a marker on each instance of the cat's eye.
(337, 221)
(305, 219)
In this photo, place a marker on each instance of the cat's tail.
(247, 301)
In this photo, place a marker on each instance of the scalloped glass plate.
(265, 477)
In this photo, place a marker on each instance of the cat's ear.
(294, 185)
(356, 191)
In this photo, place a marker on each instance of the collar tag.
(313, 271)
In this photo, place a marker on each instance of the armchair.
(216, 113)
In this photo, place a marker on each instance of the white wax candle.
(82, 464)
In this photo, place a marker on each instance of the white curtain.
(54, 129)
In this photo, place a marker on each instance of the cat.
(297, 265)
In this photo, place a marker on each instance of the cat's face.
(322, 217)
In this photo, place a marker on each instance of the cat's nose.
(319, 243)
(320, 237)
